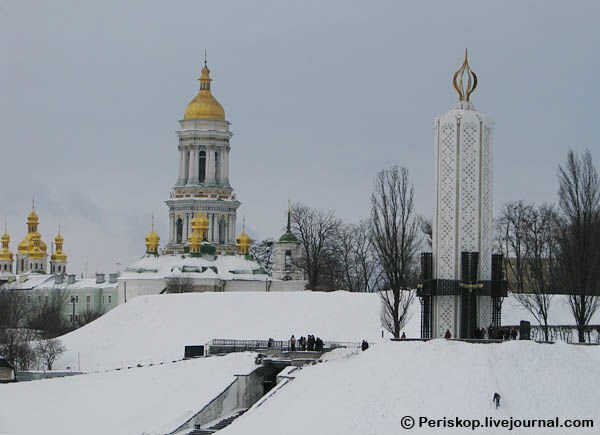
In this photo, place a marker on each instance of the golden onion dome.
(204, 105)
(58, 255)
(32, 217)
(152, 242)
(5, 254)
(243, 242)
(23, 247)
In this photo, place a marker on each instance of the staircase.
(220, 425)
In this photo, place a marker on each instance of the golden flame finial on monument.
(464, 92)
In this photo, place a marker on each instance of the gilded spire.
(457, 80)
(152, 240)
(5, 254)
(204, 106)
(243, 241)
(58, 254)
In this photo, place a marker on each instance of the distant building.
(203, 252)
(81, 297)
(7, 372)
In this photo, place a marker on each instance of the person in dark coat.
(403, 336)
(496, 400)
(513, 334)
(365, 345)
(293, 343)
(311, 342)
(319, 344)
(447, 335)
(302, 343)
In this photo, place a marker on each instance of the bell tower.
(203, 179)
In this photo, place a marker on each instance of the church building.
(203, 252)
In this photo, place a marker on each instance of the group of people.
(491, 333)
(309, 343)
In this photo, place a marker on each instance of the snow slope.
(140, 400)
(369, 393)
(156, 328)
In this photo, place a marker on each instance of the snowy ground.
(369, 393)
(150, 400)
(156, 328)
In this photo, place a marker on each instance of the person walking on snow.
(293, 343)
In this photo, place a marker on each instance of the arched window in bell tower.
(217, 167)
(179, 230)
(222, 231)
(202, 166)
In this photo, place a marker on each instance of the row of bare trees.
(553, 249)
(375, 255)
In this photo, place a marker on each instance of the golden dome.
(243, 242)
(23, 247)
(58, 255)
(204, 105)
(152, 242)
(35, 251)
(5, 254)
(32, 218)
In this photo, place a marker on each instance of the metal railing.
(222, 345)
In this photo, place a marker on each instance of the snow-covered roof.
(48, 281)
(224, 267)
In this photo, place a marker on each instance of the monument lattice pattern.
(446, 206)
(469, 187)
(486, 205)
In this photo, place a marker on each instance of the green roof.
(288, 237)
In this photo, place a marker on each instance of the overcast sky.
(321, 96)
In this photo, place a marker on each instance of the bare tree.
(357, 265)
(49, 350)
(180, 284)
(510, 230)
(579, 259)
(532, 232)
(394, 234)
(46, 314)
(14, 336)
(317, 232)
(89, 316)
(263, 253)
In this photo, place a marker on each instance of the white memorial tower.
(459, 293)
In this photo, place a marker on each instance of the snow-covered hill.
(156, 328)
(140, 400)
(369, 393)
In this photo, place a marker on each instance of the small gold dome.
(32, 218)
(5, 254)
(58, 255)
(152, 242)
(23, 247)
(243, 242)
(204, 105)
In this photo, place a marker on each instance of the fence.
(221, 345)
